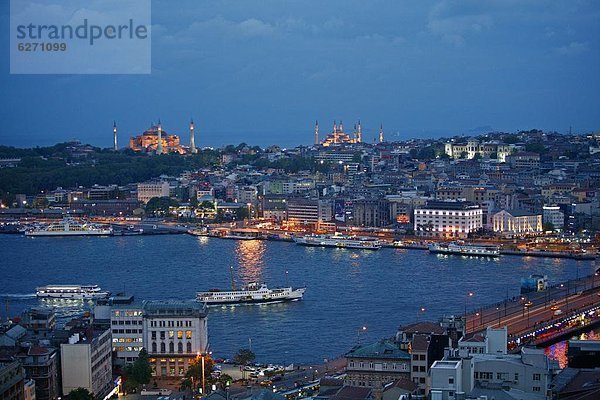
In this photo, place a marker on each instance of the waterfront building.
(372, 213)
(11, 380)
(517, 222)
(86, 361)
(148, 190)
(309, 211)
(447, 219)
(451, 377)
(553, 215)
(126, 321)
(376, 364)
(175, 333)
(149, 141)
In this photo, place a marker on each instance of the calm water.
(347, 289)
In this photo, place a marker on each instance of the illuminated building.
(448, 219)
(149, 141)
(175, 332)
(517, 222)
(338, 136)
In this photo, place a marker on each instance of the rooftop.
(380, 349)
(174, 308)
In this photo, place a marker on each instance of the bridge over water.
(545, 317)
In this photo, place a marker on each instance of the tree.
(80, 394)
(548, 226)
(141, 371)
(196, 371)
(160, 205)
(244, 357)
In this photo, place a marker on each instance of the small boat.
(69, 227)
(465, 249)
(340, 241)
(74, 292)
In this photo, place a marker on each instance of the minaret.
(381, 134)
(316, 132)
(115, 147)
(341, 128)
(335, 130)
(359, 133)
(355, 134)
(193, 149)
(159, 147)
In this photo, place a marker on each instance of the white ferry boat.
(464, 249)
(340, 241)
(253, 293)
(74, 292)
(69, 227)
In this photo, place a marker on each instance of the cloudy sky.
(262, 71)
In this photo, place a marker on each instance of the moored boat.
(69, 227)
(339, 241)
(465, 249)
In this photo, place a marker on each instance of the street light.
(360, 330)
(469, 295)
(421, 310)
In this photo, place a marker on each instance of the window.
(188, 334)
(162, 335)
(171, 334)
(180, 348)
(536, 389)
(153, 333)
(189, 347)
(516, 376)
(537, 377)
(154, 347)
(415, 368)
(179, 334)
(171, 347)
(422, 357)
(162, 348)
(415, 357)
(451, 381)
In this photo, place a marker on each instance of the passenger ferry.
(465, 249)
(69, 227)
(253, 293)
(74, 292)
(340, 241)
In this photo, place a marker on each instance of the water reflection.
(250, 258)
(559, 351)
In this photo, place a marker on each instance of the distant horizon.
(370, 136)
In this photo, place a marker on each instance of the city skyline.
(262, 74)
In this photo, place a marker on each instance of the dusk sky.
(263, 71)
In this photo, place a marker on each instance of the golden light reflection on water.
(250, 258)
(559, 351)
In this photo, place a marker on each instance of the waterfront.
(347, 289)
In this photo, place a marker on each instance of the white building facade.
(447, 219)
(175, 333)
(126, 322)
(86, 362)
